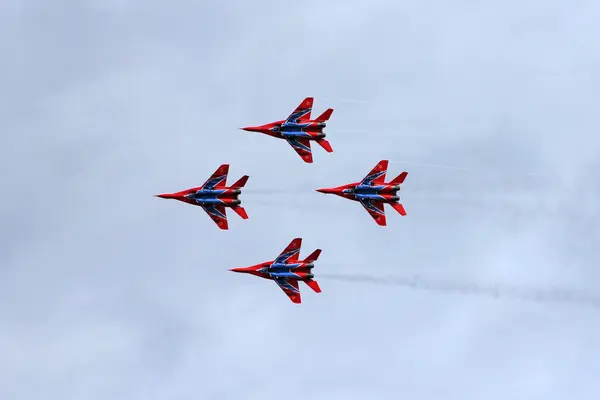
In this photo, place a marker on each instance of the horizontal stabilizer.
(325, 144)
(325, 116)
(241, 211)
(399, 207)
(240, 182)
(313, 256)
(399, 179)
(314, 285)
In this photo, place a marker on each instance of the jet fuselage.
(309, 129)
(271, 270)
(214, 196)
(226, 197)
(354, 191)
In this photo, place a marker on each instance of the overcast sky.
(109, 293)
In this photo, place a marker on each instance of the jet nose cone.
(254, 128)
(164, 196)
(326, 191)
(237, 270)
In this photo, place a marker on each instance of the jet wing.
(302, 147)
(290, 287)
(376, 210)
(377, 174)
(218, 179)
(290, 253)
(302, 112)
(217, 213)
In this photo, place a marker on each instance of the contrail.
(495, 291)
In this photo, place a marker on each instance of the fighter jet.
(298, 129)
(213, 196)
(287, 271)
(372, 192)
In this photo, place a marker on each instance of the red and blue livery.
(299, 130)
(372, 192)
(287, 270)
(214, 196)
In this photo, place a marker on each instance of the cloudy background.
(109, 293)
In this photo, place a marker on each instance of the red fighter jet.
(372, 192)
(213, 196)
(287, 271)
(298, 129)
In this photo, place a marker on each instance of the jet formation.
(298, 129)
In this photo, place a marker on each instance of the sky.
(109, 292)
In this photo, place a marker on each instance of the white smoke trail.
(496, 291)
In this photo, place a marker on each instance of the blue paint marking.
(284, 284)
(292, 127)
(207, 196)
(297, 115)
(367, 189)
(296, 134)
(370, 196)
(285, 256)
(211, 183)
(368, 205)
(213, 211)
(284, 275)
(208, 201)
(283, 267)
(209, 192)
(370, 178)
(297, 145)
